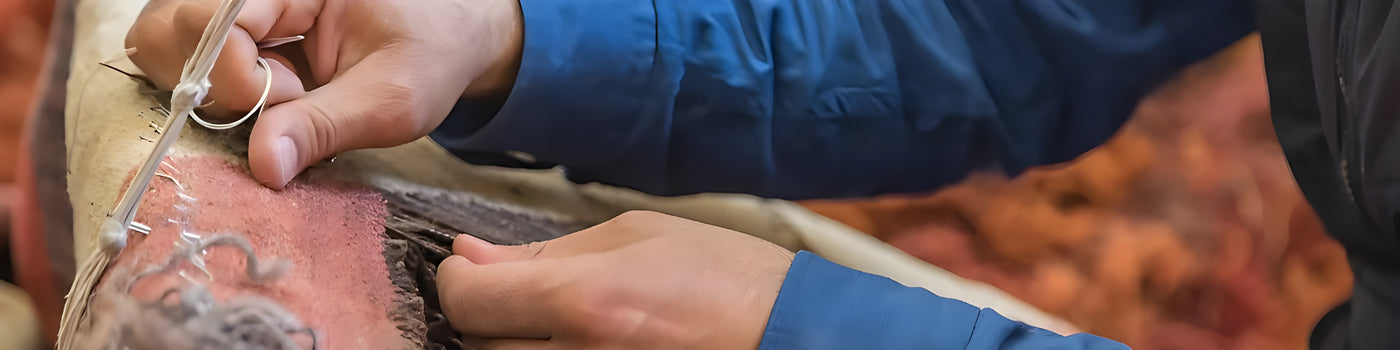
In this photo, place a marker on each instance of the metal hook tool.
(193, 87)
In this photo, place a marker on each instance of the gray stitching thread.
(190, 318)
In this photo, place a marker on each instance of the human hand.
(640, 281)
(369, 73)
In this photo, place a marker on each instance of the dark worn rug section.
(420, 229)
(408, 314)
(439, 216)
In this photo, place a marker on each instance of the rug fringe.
(76, 304)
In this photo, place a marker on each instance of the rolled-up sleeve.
(827, 98)
(823, 305)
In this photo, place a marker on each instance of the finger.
(621, 231)
(265, 19)
(376, 103)
(497, 301)
(285, 86)
(157, 53)
(485, 253)
(167, 31)
(510, 344)
(624, 230)
(261, 19)
(237, 81)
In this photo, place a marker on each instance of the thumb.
(376, 103)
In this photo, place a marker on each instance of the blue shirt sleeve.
(828, 98)
(823, 305)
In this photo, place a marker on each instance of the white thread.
(267, 88)
(172, 179)
(166, 163)
(187, 197)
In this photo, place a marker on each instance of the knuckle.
(638, 221)
(630, 226)
(638, 215)
(323, 124)
(193, 14)
(385, 113)
(233, 97)
(400, 110)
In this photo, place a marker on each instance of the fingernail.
(287, 154)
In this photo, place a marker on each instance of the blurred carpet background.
(1184, 231)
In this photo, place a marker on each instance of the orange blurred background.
(23, 34)
(24, 25)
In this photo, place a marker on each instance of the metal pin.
(140, 227)
(143, 137)
(274, 42)
(190, 237)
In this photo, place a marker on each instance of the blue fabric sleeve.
(823, 305)
(828, 98)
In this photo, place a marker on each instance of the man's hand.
(640, 281)
(370, 73)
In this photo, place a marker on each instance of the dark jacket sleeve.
(1332, 86)
(828, 98)
(826, 306)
